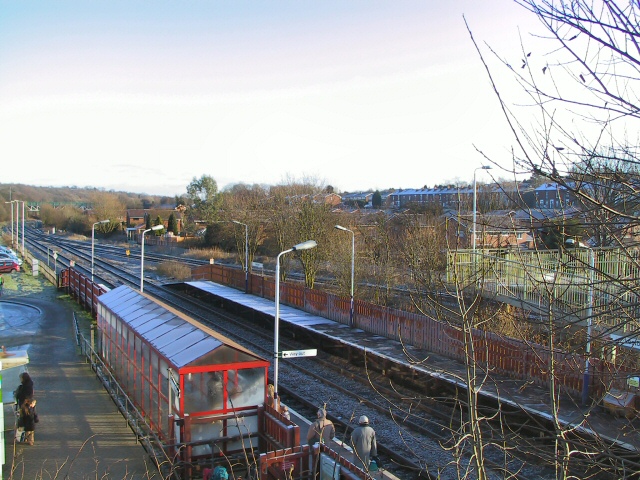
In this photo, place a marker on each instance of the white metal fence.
(582, 283)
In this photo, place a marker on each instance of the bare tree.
(314, 222)
(246, 205)
(281, 213)
(381, 274)
(610, 183)
(582, 92)
(573, 131)
(421, 241)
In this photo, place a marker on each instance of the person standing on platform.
(28, 419)
(363, 441)
(1, 284)
(24, 390)
(272, 401)
(285, 412)
(322, 430)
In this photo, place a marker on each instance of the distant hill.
(30, 193)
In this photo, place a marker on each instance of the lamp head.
(340, 227)
(305, 245)
(157, 227)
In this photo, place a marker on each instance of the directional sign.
(299, 353)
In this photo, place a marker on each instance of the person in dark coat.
(363, 441)
(28, 419)
(24, 390)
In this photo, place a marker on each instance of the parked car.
(8, 256)
(8, 266)
(4, 249)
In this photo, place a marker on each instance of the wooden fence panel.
(82, 289)
(370, 317)
(257, 285)
(292, 295)
(338, 308)
(236, 278)
(315, 302)
(286, 463)
(284, 432)
(269, 288)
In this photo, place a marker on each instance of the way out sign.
(299, 353)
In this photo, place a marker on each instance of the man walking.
(322, 430)
(363, 441)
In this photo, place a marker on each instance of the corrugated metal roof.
(175, 336)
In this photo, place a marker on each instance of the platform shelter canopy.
(173, 335)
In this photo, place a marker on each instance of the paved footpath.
(81, 434)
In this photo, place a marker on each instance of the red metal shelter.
(179, 372)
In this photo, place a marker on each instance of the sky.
(145, 96)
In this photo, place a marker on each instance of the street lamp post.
(246, 255)
(11, 208)
(11, 202)
(93, 237)
(17, 202)
(156, 227)
(301, 246)
(22, 250)
(353, 256)
(485, 167)
(587, 366)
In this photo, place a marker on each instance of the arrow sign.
(299, 353)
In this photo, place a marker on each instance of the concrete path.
(81, 434)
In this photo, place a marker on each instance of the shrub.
(207, 253)
(174, 269)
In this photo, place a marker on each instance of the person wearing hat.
(322, 430)
(363, 441)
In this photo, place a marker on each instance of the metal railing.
(607, 291)
(134, 418)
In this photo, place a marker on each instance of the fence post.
(93, 341)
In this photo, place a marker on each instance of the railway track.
(411, 429)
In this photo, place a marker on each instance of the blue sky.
(144, 96)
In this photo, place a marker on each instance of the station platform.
(619, 431)
(81, 433)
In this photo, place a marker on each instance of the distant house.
(332, 199)
(505, 229)
(445, 196)
(456, 197)
(137, 217)
(553, 196)
(358, 198)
